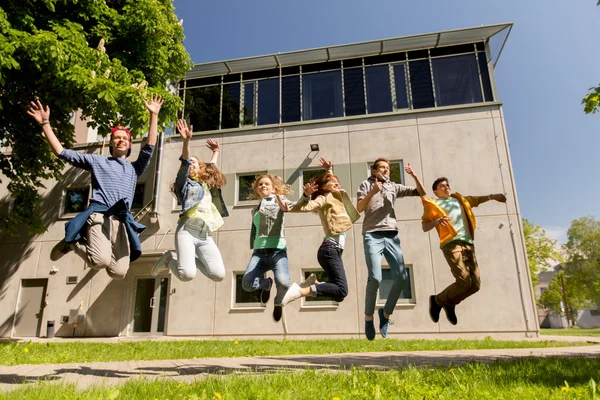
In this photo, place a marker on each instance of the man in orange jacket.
(452, 216)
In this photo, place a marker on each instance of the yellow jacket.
(432, 211)
(335, 209)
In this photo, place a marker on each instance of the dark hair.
(439, 180)
(380, 159)
(320, 181)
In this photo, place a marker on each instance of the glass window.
(354, 91)
(138, 196)
(396, 171)
(322, 95)
(308, 174)
(243, 298)
(202, 107)
(379, 95)
(76, 200)
(400, 86)
(231, 106)
(420, 84)
(456, 80)
(485, 76)
(290, 98)
(406, 295)
(268, 101)
(318, 300)
(245, 181)
(249, 117)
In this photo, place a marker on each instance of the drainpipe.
(154, 213)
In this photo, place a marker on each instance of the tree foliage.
(541, 249)
(591, 101)
(100, 56)
(565, 295)
(583, 252)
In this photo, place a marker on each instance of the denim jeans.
(330, 259)
(264, 260)
(387, 244)
(196, 250)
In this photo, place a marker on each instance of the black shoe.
(450, 314)
(277, 313)
(265, 294)
(434, 309)
(59, 250)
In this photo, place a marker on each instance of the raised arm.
(186, 136)
(215, 148)
(42, 117)
(153, 107)
(476, 200)
(328, 165)
(408, 169)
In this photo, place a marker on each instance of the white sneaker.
(312, 278)
(162, 264)
(292, 294)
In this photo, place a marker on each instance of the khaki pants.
(107, 245)
(463, 264)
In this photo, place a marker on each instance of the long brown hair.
(279, 185)
(209, 174)
(320, 181)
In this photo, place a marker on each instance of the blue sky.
(549, 62)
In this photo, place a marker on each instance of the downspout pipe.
(159, 150)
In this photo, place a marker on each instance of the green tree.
(583, 253)
(100, 56)
(591, 101)
(541, 249)
(565, 296)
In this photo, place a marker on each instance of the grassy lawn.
(571, 332)
(57, 353)
(550, 378)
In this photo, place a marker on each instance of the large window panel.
(485, 76)
(322, 95)
(249, 107)
(290, 98)
(231, 106)
(354, 91)
(456, 80)
(268, 101)
(420, 84)
(202, 107)
(400, 86)
(379, 95)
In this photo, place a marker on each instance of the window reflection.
(290, 98)
(202, 107)
(268, 101)
(231, 106)
(322, 95)
(354, 91)
(456, 80)
(379, 96)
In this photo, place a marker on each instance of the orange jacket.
(432, 211)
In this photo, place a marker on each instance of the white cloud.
(557, 233)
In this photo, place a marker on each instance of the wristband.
(44, 122)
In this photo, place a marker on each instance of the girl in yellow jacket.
(337, 214)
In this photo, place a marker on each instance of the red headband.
(120, 128)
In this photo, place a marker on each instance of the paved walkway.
(85, 375)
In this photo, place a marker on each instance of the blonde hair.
(279, 186)
(208, 173)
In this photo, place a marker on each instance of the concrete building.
(429, 99)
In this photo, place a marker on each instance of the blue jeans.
(387, 244)
(264, 260)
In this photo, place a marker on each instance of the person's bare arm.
(427, 226)
(153, 107)
(409, 170)
(215, 148)
(362, 204)
(42, 117)
(186, 136)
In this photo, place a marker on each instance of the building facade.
(430, 100)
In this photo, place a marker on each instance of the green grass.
(75, 352)
(571, 332)
(549, 378)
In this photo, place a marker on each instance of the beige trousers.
(463, 264)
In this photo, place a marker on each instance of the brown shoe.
(60, 249)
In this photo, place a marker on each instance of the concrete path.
(85, 375)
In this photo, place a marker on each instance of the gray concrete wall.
(465, 144)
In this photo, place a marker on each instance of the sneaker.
(163, 263)
(292, 294)
(59, 250)
(312, 278)
(370, 330)
(265, 294)
(384, 323)
(277, 313)
(434, 309)
(450, 313)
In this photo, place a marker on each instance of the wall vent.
(71, 280)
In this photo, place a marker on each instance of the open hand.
(154, 105)
(213, 145)
(184, 131)
(36, 110)
(328, 165)
(309, 188)
(283, 206)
